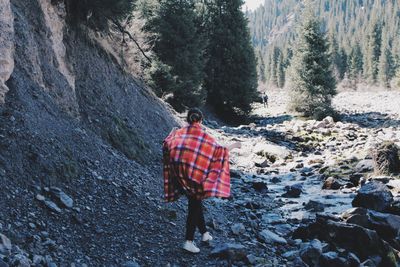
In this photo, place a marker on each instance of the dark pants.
(195, 218)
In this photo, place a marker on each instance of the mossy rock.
(127, 140)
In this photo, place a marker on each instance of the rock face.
(54, 15)
(6, 45)
(373, 195)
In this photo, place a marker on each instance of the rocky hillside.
(75, 134)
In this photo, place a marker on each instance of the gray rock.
(5, 245)
(275, 180)
(293, 191)
(373, 195)
(331, 184)
(264, 164)
(63, 198)
(365, 165)
(38, 260)
(20, 260)
(260, 186)
(332, 259)
(40, 197)
(298, 262)
(238, 228)
(314, 206)
(311, 253)
(353, 260)
(229, 251)
(3, 264)
(52, 206)
(355, 178)
(271, 238)
(252, 259)
(130, 264)
(272, 218)
(368, 263)
(291, 255)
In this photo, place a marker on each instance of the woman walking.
(197, 166)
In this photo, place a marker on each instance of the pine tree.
(179, 48)
(335, 57)
(342, 66)
(231, 75)
(280, 75)
(274, 66)
(312, 83)
(386, 64)
(261, 67)
(355, 63)
(372, 53)
(352, 22)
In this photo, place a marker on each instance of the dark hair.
(194, 115)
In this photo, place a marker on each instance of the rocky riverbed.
(303, 194)
(314, 173)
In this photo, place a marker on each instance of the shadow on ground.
(371, 120)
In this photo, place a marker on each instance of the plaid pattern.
(195, 164)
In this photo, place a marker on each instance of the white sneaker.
(191, 247)
(206, 237)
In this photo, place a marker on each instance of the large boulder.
(385, 224)
(373, 195)
(361, 241)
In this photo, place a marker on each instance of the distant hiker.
(265, 99)
(197, 166)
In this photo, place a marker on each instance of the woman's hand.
(234, 145)
(173, 130)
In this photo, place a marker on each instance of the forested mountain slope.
(364, 37)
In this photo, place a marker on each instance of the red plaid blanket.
(195, 164)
